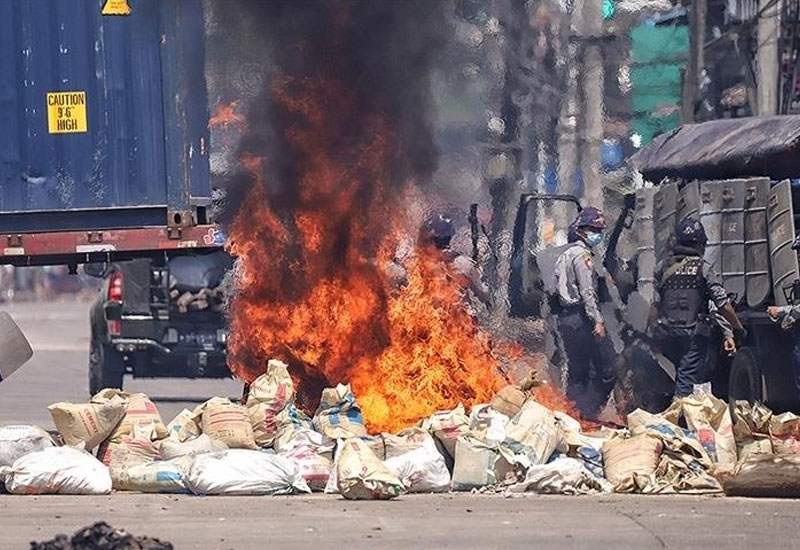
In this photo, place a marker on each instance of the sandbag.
(509, 401)
(338, 415)
(710, 419)
(140, 411)
(229, 423)
(201, 444)
(57, 470)
(292, 424)
(360, 475)
(630, 463)
(488, 425)
(87, 425)
(185, 425)
(474, 464)
(562, 476)
(447, 427)
(784, 432)
(269, 394)
(421, 470)
(163, 476)
(684, 465)
(588, 450)
(315, 468)
(641, 422)
(567, 422)
(18, 440)
(245, 472)
(304, 437)
(376, 444)
(764, 475)
(751, 429)
(121, 455)
(405, 441)
(532, 436)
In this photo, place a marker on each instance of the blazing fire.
(313, 290)
(227, 115)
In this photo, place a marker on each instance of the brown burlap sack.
(229, 423)
(87, 424)
(139, 412)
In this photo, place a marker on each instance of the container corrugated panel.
(144, 149)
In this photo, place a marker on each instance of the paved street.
(59, 333)
(437, 521)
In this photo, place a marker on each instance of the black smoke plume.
(382, 50)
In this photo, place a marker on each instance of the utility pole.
(767, 63)
(591, 34)
(568, 118)
(697, 42)
(502, 170)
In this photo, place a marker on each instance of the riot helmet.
(588, 226)
(690, 232)
(439, 228)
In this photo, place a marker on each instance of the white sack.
(200, 445)
(161, 476)
(245, 472)
(18, 440)
(315, 467)
(422, 470)
(57, 470)
(564, 476)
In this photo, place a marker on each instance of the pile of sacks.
(212, 299)
(268, 446)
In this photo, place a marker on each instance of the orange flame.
(227, 115)
(312, 290)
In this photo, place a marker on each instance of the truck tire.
(745, 378)
(106, 367)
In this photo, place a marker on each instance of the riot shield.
(711, 218)
(780, 220)
(643, 229)
(665, 205)
(689, 201)
(732, 234)
(756, 244)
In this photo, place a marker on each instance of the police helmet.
(591, 217)
(691, 232)
(440, 229)
(796, 243)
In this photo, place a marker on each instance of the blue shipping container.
(128, 145)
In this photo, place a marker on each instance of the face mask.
(594, 239)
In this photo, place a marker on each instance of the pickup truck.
(154, 319)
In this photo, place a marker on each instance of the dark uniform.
(590, 356)
(686, 283)
(790, 317)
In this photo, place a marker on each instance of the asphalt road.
(58, 371)
(463, 522)
(59, 334)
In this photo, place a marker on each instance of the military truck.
(736, 176)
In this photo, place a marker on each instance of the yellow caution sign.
(66, 112)
(116, 7)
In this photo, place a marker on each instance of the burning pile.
(330, 151)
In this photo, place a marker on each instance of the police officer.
(439, 229)
(789, 317)
(680, 321)
(589, 352)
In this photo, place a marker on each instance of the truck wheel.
(105, 367)
(745, 377)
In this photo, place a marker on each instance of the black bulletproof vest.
(682, 292)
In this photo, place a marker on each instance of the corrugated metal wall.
(146, 138)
